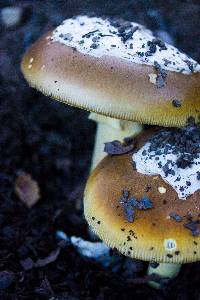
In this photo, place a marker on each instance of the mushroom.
(134, 206)
(118, 71)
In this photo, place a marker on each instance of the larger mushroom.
(119, 71)
(146, 203)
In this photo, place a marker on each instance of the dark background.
(53, 143)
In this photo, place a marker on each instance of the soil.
(53, 143)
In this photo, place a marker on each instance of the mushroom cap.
(153, 236)
(113, 76)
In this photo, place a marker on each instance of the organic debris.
(28, 263)
(27, 189)
(118, 148)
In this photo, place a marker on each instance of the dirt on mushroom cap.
(153, 235)
(99, 84)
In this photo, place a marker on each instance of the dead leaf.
(42, 262)
(27, 189)
(118, 148)
(29, 264)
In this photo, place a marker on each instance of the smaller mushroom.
(125, 208)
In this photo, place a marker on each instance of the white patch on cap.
(99, 37)
(170, 245)
(148, 164)
(152, 78)
(162, 190)
(30, 63)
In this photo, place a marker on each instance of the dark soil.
(53, 143)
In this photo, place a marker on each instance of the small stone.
(11, 16)
(27, 264)
(6, 278)
(27, 189)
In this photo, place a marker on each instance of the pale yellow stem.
(109, 129)
(164, 270)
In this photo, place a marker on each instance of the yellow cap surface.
(153, 235)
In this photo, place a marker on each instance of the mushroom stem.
(164, 270)
(109, 129)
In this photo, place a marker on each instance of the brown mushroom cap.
(111, 85)
(153, 235)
